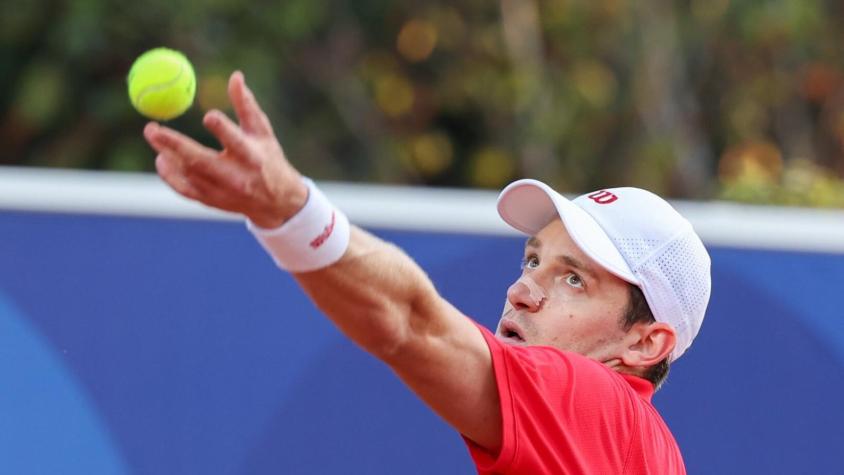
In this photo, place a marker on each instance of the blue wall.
(154, 346)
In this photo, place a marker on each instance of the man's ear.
(649, 343)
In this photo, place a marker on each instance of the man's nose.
(525, 294)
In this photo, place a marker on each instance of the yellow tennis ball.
(161, 84)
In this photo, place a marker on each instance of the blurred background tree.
(734, 99)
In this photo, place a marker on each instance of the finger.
(164, 139)
(224, 174)
(229, 135)
(192, 157)
(169, 171)
(196, 187)
(250, 115)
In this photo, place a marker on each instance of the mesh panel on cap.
(677, 284)
(636, 249)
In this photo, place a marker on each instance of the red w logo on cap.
(602, 197)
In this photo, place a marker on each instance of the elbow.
(406, 328)
(386, 340)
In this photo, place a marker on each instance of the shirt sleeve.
(559, 412)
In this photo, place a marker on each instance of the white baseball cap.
(633, 234)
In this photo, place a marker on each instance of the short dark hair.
(638, 311)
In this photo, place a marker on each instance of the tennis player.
(613, 288)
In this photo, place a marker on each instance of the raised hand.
(250, 175)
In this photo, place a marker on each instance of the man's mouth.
(511, 332)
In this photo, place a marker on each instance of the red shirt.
(563, 413)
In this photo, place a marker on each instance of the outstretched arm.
(375, 293)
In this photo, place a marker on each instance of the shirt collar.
(643, 387)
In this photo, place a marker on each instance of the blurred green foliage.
(738, 99)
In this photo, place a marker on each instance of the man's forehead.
(569, 254)
(554, 232)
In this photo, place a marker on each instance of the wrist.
(314, 237)
(292, 204)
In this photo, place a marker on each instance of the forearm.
(376, 295)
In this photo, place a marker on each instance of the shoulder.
(569, 388)
(553, 369)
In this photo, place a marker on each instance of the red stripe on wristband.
(326, 233)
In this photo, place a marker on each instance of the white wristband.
(315, 237)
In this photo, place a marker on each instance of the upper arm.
(447, 363)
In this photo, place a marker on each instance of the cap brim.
(529, 205)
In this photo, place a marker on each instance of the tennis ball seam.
(159, 87)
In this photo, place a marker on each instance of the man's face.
(564, 299)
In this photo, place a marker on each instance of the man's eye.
(574, 280)
(530, 262)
